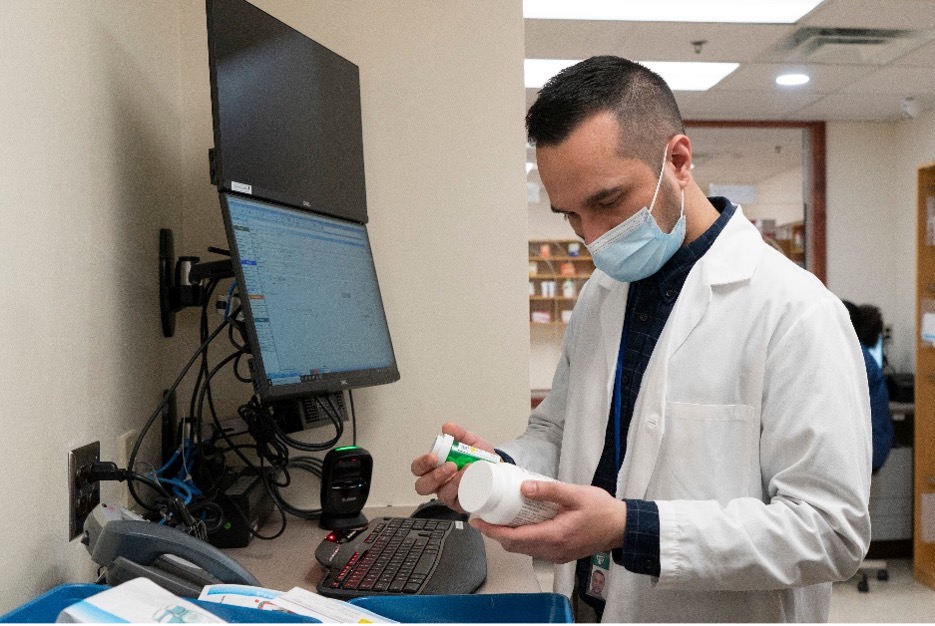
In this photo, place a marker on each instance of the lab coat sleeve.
(539, 447)
(814, 455)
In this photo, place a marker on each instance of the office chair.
(871, 565)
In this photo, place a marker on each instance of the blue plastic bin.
(503, 608)
(45, 608)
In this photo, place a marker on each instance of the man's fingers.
(448, 493)
(430, 482)
(561, 494)
(422, 464)
(464, 436)
(457, 431)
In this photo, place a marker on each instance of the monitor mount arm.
(181, 281)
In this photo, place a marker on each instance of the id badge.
(600, 567)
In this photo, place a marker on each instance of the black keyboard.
(403, 555)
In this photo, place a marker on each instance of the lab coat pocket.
(707, 452)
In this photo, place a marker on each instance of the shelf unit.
(923, 546)
(791, 238)
(558, 269)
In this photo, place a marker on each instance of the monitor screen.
(311, 301)
(876, 351)
(286, 114)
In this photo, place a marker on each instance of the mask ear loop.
(665, 154)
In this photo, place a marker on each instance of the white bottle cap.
(442, 447)
(479, 490)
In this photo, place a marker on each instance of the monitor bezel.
(250, 188)
(353, 379)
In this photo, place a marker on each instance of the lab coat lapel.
(612, 311)
(731, 258)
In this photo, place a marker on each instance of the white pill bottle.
(492, 493)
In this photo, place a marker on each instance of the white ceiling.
(847, 82)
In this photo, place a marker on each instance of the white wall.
(107, 123)
(88, 168)
(871, 192)
(779, 198)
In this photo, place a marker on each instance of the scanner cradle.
(178, 562)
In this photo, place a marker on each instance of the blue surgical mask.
(636, 248)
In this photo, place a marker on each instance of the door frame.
(813, 170)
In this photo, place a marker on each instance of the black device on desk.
(404, 555)
(345, 485)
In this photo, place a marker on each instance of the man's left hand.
(589, 520)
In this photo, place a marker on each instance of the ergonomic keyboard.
(403, 555)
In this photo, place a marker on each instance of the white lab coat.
(751, 432)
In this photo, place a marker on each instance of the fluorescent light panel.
(734, 11)
(680, 76)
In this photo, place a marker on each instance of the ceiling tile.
(649, 41)
(762, 76)
(848, 82)
(899, 14)
(921, 57)
(882, 107)
(743, 155)
(903, 81)
(742, 105)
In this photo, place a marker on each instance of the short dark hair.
(871, 324)
(639, 98)
(867, 321)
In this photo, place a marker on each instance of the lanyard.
(618, 379)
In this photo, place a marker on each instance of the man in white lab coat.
(709, 418)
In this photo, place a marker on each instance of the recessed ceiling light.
(792, 79)
(735, 11)
(680, 76)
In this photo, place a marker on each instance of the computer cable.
(314, 467)
(350, 395)
(261, 470)
(236, 368)
(202, 332)
(108, 470)
(204, 376)
(159, 408)
(292, 442)
(204, 393)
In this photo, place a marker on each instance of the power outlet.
(83, 495)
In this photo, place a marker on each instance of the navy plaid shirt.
(649, 303)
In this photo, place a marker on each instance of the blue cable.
(230, 293)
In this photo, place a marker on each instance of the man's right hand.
(443, 481)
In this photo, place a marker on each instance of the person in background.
(868, 324)
(708, 418)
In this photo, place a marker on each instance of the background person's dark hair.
(867, 321)
(642, 102)
(870, 325)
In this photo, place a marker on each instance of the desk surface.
(289, 560)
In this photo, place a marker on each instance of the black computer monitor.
(311, 301)
(286, 114)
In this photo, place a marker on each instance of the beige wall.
(779, 198)
(88, 169)
(871, 219)
(106, 115)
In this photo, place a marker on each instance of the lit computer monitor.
(311, 301)
(876, 351)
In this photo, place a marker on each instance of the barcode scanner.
(345, 485)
